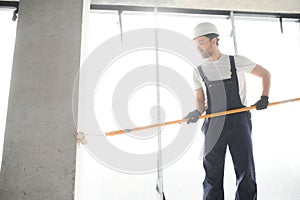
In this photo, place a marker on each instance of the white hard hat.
(204, 29)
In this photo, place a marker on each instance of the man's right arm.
(200, 100)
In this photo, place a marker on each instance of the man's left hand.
(262, 103)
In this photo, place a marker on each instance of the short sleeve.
(244, 64)
(197, 80)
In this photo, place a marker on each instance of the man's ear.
(214, 41)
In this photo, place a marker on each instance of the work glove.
(193, 116)
(262, 103)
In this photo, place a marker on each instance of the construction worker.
(225, 89)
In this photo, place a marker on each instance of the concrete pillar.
(39, 148)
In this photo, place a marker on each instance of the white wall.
(275, 131)
(7, 39)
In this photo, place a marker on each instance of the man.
(224, 81)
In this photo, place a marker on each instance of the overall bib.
(233, 131)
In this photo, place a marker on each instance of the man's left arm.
(265, 75)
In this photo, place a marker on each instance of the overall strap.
(204, 78)
(235, 80)
(232, 66)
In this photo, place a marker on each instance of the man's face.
(204, 46)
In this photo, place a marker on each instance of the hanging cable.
(233, 34)
(299, 25)
(159, 184)
(281, 26)
(15, 14)
(121, 25)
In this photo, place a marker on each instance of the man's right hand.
(193, 116)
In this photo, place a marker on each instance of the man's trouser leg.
(240, 146)
(213, 163)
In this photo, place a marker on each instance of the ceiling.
(269, 6)
(261, 6)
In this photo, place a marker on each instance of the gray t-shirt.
(220, 69)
